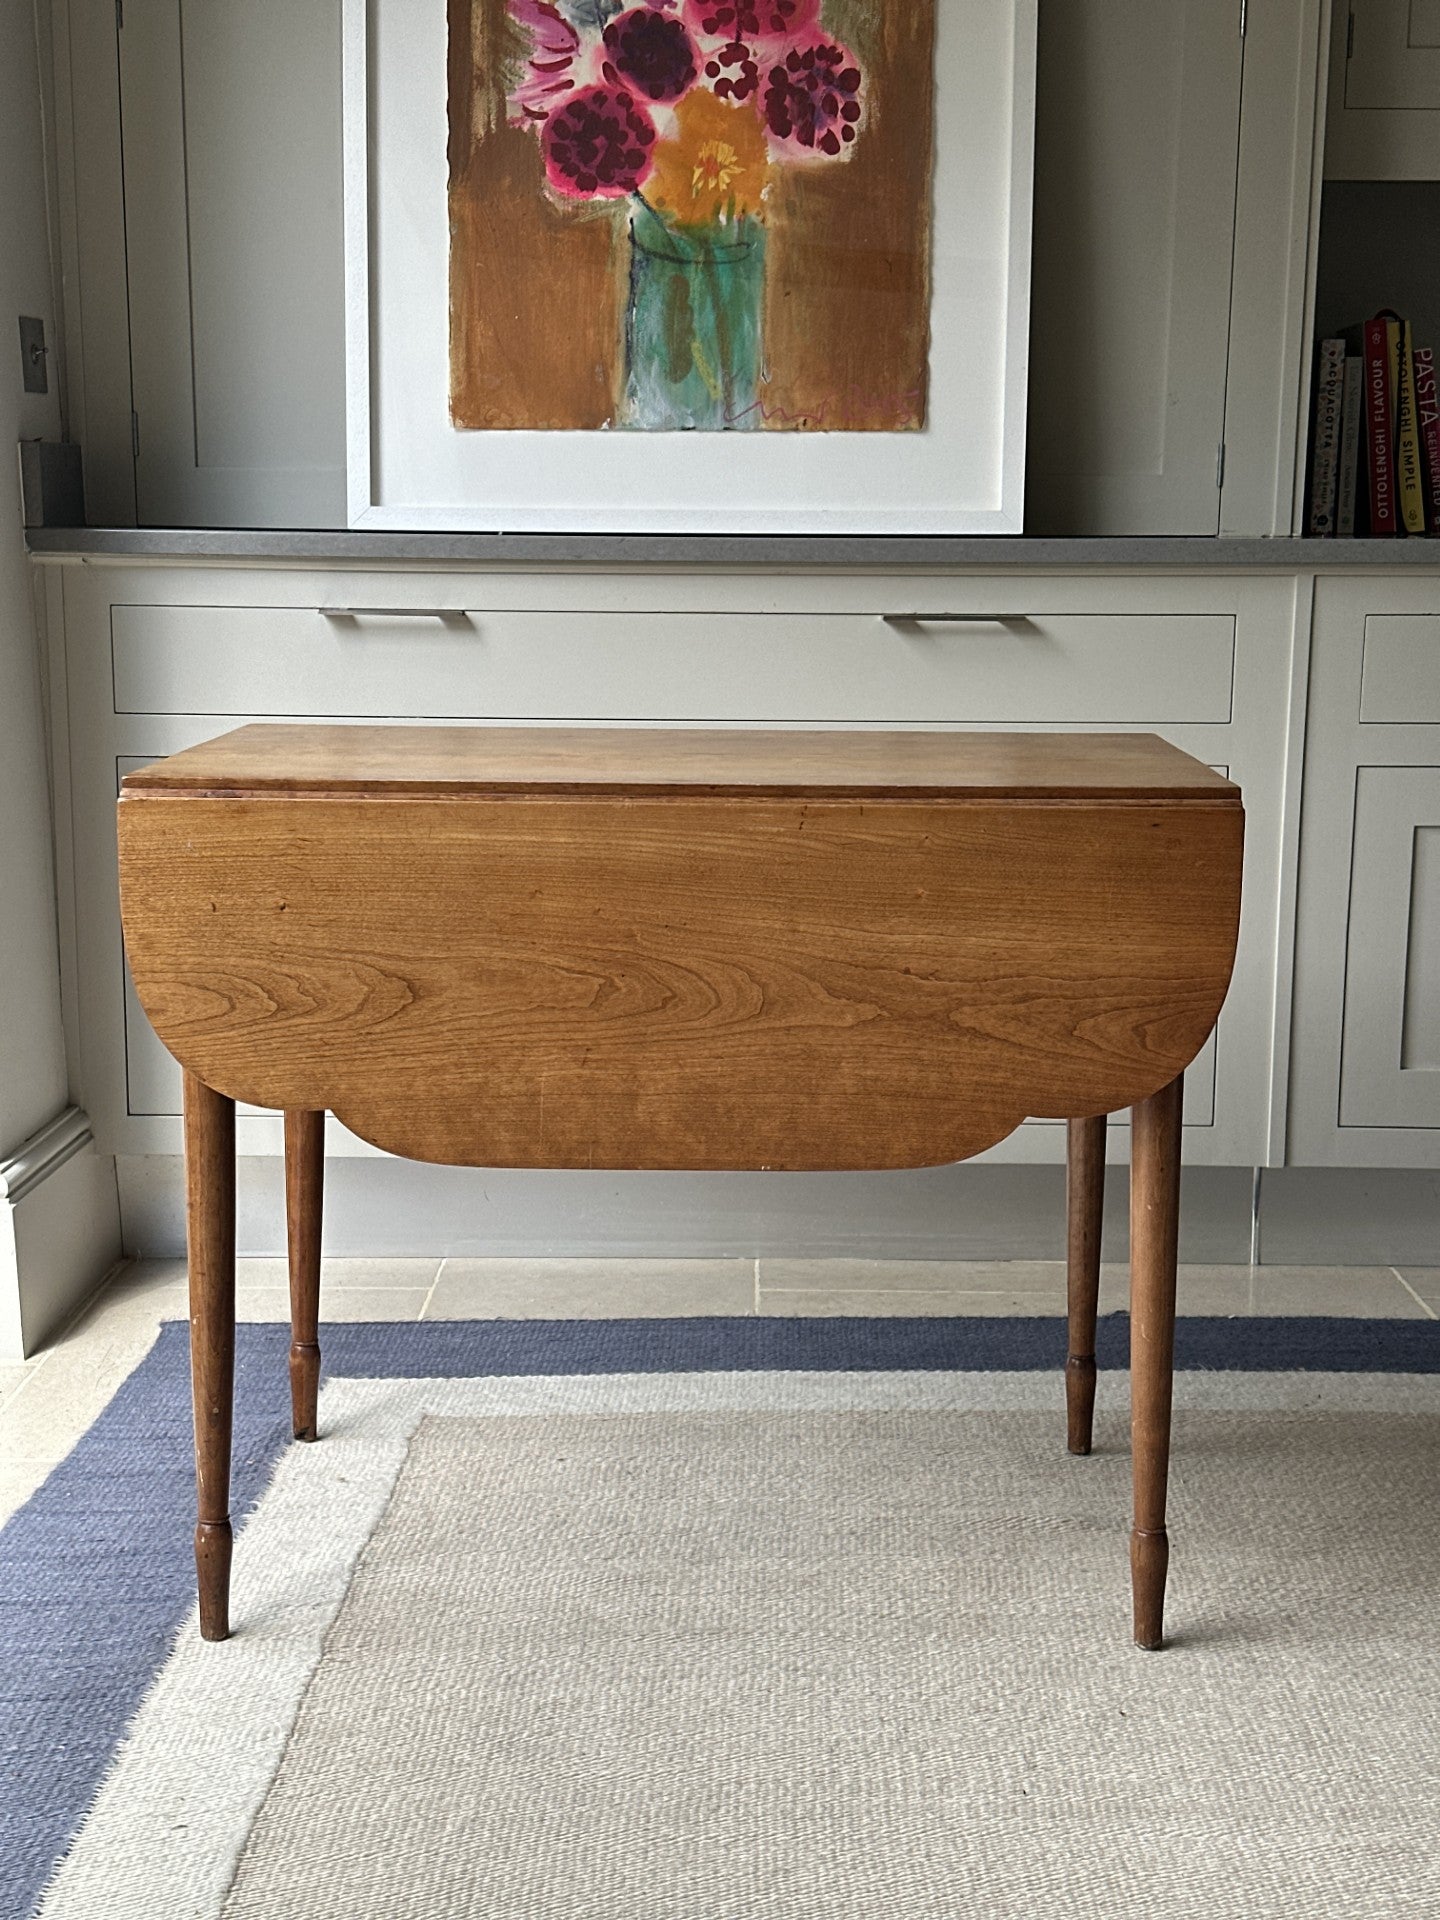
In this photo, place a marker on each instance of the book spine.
(1427, 412)
(1379, 443)
(1325, 464)
(1352, 444)
(1407, 441)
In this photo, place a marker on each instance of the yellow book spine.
(1407, 441)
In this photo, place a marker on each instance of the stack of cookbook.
(1375, 434)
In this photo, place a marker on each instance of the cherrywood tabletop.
(551, 947)
(419, 760)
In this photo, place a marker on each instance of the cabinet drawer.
(1400, 680)
(993, 665)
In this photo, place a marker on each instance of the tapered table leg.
(210, 1225)
(304, 1188)
(1154, 1240)
(1084, 1208)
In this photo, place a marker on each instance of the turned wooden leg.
(304, 1188)
(1084, 1211)
(1154, 1239)
(210, 1226)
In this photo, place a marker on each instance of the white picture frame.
(409, 468)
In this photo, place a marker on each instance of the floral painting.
(690, 214)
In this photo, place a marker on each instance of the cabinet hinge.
(1244, 16)
(134, 434)
(119, 15)
(1220, 465)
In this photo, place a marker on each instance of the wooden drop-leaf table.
(595, 947)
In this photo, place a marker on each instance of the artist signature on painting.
(836, 411)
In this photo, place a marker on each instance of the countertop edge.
(737, 553)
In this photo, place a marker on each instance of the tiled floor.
(47, 1402)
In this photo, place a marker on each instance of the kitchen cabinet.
(1365, 1049)
(1384, 109)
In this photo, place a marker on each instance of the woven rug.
(737, 1618)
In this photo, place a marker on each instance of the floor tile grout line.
(342, 1286)
(1424, 1305)
(940, 1293)
(29, 1374)
(62, 1332)
(425, 1303)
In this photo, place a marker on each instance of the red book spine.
(1427, 405)
(1379, 429)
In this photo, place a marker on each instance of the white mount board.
(409, 468)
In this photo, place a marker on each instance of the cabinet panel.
(1365, 1056)
(1390, 1070)
(1394, 49)
(1384, 111)
(1137, 114)
(1400, 680)
(1095, 668)
(231, 127)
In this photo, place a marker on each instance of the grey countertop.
(197, 545)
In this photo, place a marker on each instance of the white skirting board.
(1307, 1216)
(59, 1230)
(385, 1207)
(1350, 1216)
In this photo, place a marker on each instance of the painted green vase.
(692, 324)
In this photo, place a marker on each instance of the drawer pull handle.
(453, 615)
(956, 619)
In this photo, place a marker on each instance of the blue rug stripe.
(96, 1573)
(472, 1348)
(96, 1576)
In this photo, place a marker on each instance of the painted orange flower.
(716, 168)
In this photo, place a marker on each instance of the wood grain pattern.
(210, 1233)
(1154, 1242)
(469, 761)
(1085, 1212)
(670, 983)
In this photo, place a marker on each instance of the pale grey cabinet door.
(231, 133)
(1393, 58)
(1137, 140)
(1383, 121)
(1390, 1066)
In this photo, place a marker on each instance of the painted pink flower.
(740, 40)
(554, 62)
(732, 71)
(650, 51)
(597, 144)
(729, 21)
(813, 99)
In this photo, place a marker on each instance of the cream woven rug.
(783, 1662)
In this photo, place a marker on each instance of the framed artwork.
(648, 266)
